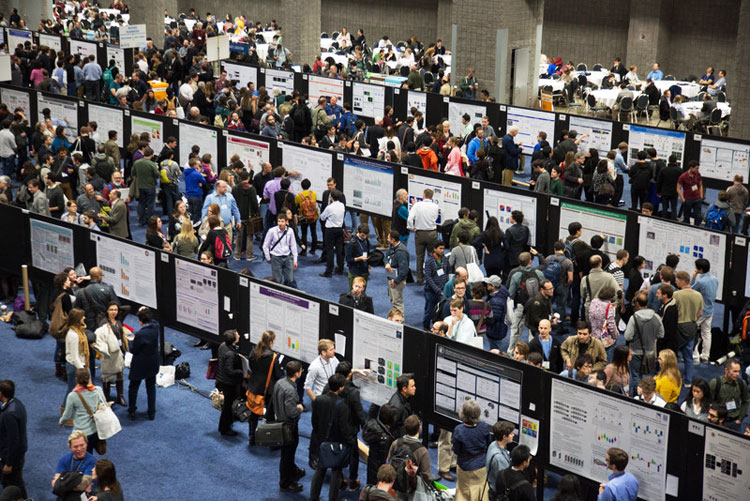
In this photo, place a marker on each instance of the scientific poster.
(599, 134)
(530, 123)
(658, 238)
(51, 246)
(108, 119)
(16, 37)
(296, 321)
(582, 428)
(17, 99)
(666, 142)
(378, 346)
(241, 73)
(368, 185)
(723, 160)
(368, 100)
(85, 49)
(327, 87)
(317, 166)
(416, 100)
(51, 41)
(456, 111)
(595, 222)
(500, 205)
(129, 269)
(726, 467)
(63, 112)
(205, 138)
(282, 80)
(197, 295)
(252, 152)
(139, 125)
(447, 195)
(118, 55)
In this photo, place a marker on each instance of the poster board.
(296, 321)
(85, 49)
(599, 134)
(133, 36)
(529, 123)
(583, 427)
(282, 80)
(128, 268)
(252, 152)
(63, 112)
(108, 119)
(500, 205)
(417, 100)
(666, 142)
(368, 100)
(51, 41)
(16, 99)
(447, 195)
(51, 246)
(723, 160)
(5, 70)
(241, 73)
(139, 125)
(378, 346)
(317, 166)
(659, 237)
(457, 110)
(327, 87)
(197, 295)
(726, 467)
(204, 137)
(16, 37)
(118, 55)
(595, 221)
(368, 185)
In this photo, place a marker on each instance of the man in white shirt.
(333, 218)
(647, 392)
(322, 368)
(280, 249)
(8, 149)
(422, 221)
(460, 326)
(186, 91)
(632, 77)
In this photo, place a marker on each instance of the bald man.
(95, 297)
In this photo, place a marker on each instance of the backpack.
(222, 246)
(404, 452)
(505, 495)
(529, 287)
(103, 168)
(437, 312)
(553, 272)
(745, 326)
(309, 209)
(716, 218)
(570, 252)
(299, 116)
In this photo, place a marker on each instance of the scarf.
(83, 346)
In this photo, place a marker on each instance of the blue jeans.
(561, 300)
(282, 270)
(9, 165)
(494, 343)
(610, 352)
(146, 201)
(70, 372)
(693, 208)
(430, 301)
(171, 196)
(687, 360)
(635, 373)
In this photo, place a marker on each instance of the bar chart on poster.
(51, 246)
(127, 268)
(378, 347)
(139, 125)
(501, 204)
(16, 99)
(446, 194)
(197, 295)
(368, 185)
(252, 152)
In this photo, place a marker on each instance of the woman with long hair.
(108, 488)
(112, 343)
(213, 210)
(154, 236)
(669, 379)
(696, 404)
(454, 165)
(228, 378)
(618, 371)
(569, 489)
(602, 319)
(602, 185)
(60, 139)
(76, 347)
(186, 244)
(130, 150)
(589, 167)
(263, 360)
(493, 248)
(80, 405)
(148, 101)
(179, 217)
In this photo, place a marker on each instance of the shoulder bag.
(107, 424)
(59, 320)
(256, 403)
(333, 455)
(276, 434)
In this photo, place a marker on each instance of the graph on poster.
(666, 142)
(282, 80)
(118, 55)
(241, 73)
(84, 49)
(726, 467)
(595, 221)
(252, 152)
(378, 347)
(500, 204)
(446, 194)
(51, 41)
(197, 295)
(63, 112)
(368, 100)
(417, 100)
(724, 160)
(368, 185)
(205, 138)
(51, 246)
(139, 125)
(530, 123)
(456, 111)
(317, 166)
(326, 87)
(108, 119)
(16, 99)
(128, 268)
(598, 134)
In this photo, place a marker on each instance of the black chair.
(331, 61)
(721, 97)
(669, 77)
(400, 46)
(324, 35)
(335, 45)
(675, 90)
(335, 34)
(700, 97)
(593, 107)
(641, 105)
(597, 67)
(581, 67)
(714, 121)
(626, 106)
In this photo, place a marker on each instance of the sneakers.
(251, 257)
(291, 488)
(238, 257)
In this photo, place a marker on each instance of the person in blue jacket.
(478, 143)
(194, 189)
(145, 363)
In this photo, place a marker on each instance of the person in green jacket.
(555, 185)
(146, 173)
(467, 222)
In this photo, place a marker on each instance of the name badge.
(440, 272)
(224, 206)
(545, 364)
(364, 254)
(694, 187)
(731, 405)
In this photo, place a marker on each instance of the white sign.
(62, 111)
(659, 238)
(217, 48)
(583, 426)
(723, 160)
(368, 100)
(447, 195)
(666, 142)
(378, 346)
(51, 41)
(282, 80)
(139, 125)
(51, 246)
(368, 186)
(129, 269)
(85, 49)
(595, 221)
(317, 166)
(5, 72)
(295, 321)
(108, 119)
(17, 99)
(205, 138)
(252, 152)
(725, 467)
(241, 73)
(18, 37)
(197, 295)
(456, 112)
(133, 36)
(327, 87)
(118, 55)
(530, 123)
(598, 134)
(416, 100)
(500, 204)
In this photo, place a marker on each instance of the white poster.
(133, 36)
(295, 321)
(17, 99)
(327, 87)
(723, 160)
(5, 71)
(197, 295)
(583, 426)
(610, 225)
(456, 111)
(447, 195)
(500, 204)
(416, 100)
(317, 166)
(530, 123)
(63, 112)
(51, 246)
(241, 74)
(108, 119)
(725, 467)
(129, 269)
(85, 49)
(205, 138)
(282, 80)
(666, 142)
(378, 346)
(118, 55)
(139, 125)
(368, 100)
(659, 238)
(252, 152)
(51, 41)
(368, 185)
(18, 37)
(598, 134)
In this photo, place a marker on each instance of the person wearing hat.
(497, 297)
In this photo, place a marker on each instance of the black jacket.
(229, 369)
(517, 240)
(413, 160)
(259, 373)
(555, 357)
(145, 350)
(397, 222)
(666, 180)
(404, 411)
(640, 175)
(364, 303)
(325, 408)
(13, 442)
(350, 395)
(247, 200)
(537, 308)
(508, 477)
(379, 438)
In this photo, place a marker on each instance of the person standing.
(517, 238)
(707, 285)
(731, 391)
(118, 215)
(498, 456)
(13, 441)
(228, 379)
(145, 363)
(146, 174)
(288, 409)
(691, 191)
(738, 200)
(397, 269)
(642, 332)
(621, 485)
(513, 479)
(470, 441)
(512, 152)
(280, 249)
(357, 252)
(436, 270)
(247, 203)
(333, 218)
(423, 219)
(689, 309)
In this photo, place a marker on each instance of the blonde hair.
(264, 344)
(668, 366)
(324, 345)
(359, 280)
(187, 232)
(76, 434)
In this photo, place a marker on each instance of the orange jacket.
(429, 158)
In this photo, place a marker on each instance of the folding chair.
(626, 106)
(714, 121)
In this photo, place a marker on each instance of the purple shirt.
(272, 187)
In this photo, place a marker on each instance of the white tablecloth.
(325, 43)
(447, 59)
(268, 35)
(608, 97)
(557, 85)
(339, 58)
(596, 77)
(262, 50)
(694, 108)
(689, 89)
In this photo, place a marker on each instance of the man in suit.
(145, 363)
(548, 347)
(169, 147)
(13, 443)
(619, 68)
(118, 215)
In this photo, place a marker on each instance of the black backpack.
(404, 452)
(505, 494)
(222, 246)
(528, 288)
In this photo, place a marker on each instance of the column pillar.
(649, 34)
(151, 13)
(738, 79)
(300, 27)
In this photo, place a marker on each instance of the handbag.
(240, 410)
(67, 482)
(256, 403)
(217, 399)
(213, 366)
(59, 320)
(475, 272)
(648, 362)
(276, 434)
(333, 454)
(107, 424)
(255, 225)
